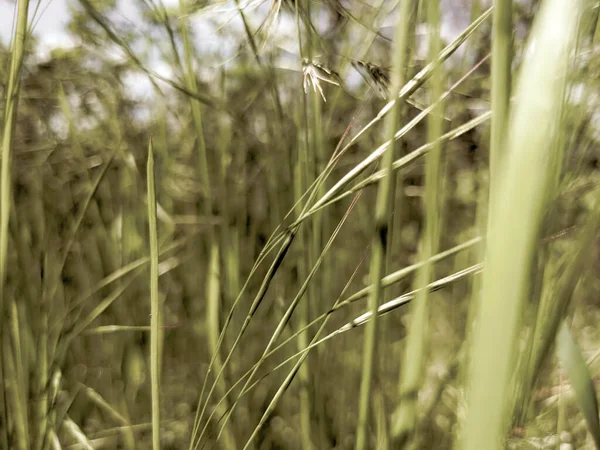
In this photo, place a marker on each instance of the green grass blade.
(517, 212)
(501, 79)
(154, 303)
(572, 361)
(380, 233)
(415, 352)
(10, 117)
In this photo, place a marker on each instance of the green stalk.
(314, 238)
(303, 264)
(10, 118)
(190, 82)
(41, 368)
(501, 84)
(412, 369)
(21, 390)
(228, 244)
(154, 303)
(527, 172)
(213, 276)
(212, 325)
(383, 211)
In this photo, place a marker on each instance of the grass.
(155, 309)
(289, 303)
(14, 393)
(525, 188)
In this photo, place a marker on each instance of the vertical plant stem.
(207, 208)
(212, 325)
(229, 245)
(13, 396)
(385, 191)
(154, 303)
(300, 185)
(10, 117)
(412, 368)
(527, 172)
(317, 289)
(190, 82)
(41, 370)
(501, 84)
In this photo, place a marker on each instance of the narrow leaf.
(572, 361)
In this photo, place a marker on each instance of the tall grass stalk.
(15, 384)
(212, 325)
(213, 274)
(154, 302)
(379, 240)
(501, 86)
(525, 176)
(301, 177)
(318, 288)
(10, 118)
(413, 360)
(190, 82)
(300, 172)
(41, 370)
(305, 171)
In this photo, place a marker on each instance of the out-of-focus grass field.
(201, 217)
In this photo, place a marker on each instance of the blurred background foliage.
(98, 103)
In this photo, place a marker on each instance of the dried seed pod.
(313, 72)
(377, 76)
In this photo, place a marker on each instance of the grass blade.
(154, 303)
(379, 239)
(517, 212)
(10, 118)
(572, 361)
